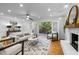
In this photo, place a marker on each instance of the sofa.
(20, 35)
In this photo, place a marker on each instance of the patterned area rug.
(41, 48)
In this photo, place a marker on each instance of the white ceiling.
(39, 10)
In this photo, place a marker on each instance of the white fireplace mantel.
(68, 32)
(66, 44)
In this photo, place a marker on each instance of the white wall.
(61, 28)
(4, 21)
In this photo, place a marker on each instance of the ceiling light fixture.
(21, 5)
(66, 6)
(49, 9)
(9, 10)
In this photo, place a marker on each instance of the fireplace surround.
(74, 41)
(69, 34)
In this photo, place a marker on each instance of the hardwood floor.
(55, 48)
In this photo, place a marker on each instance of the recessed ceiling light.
(66, 6)
(49, 9)
(9, 10)
(1, 13)
(51, 15)
(21, 5)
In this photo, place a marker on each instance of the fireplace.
(74, 41)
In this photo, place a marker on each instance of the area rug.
(41, 48)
